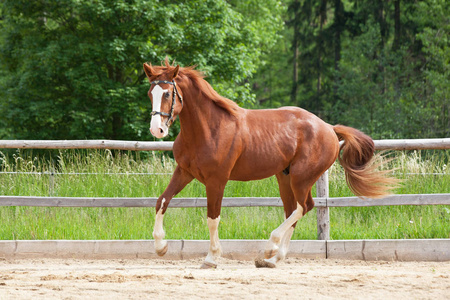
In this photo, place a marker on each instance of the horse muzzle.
(159, 132)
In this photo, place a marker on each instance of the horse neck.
(199, 116)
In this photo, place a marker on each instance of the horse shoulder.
(211, 157)
(181, 153)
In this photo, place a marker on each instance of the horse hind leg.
(280, 236)
(281, 251)
(289, 203)
(278, 244)
(285, 242)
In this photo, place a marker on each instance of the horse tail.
(357, 158)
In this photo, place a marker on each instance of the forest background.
(72, 69)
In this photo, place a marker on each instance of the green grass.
(115, 176)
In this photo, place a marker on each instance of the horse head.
(163, 94)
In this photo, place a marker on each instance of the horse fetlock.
(273, 245)
(271, 251)
(161, 247)
(275, 237)
(216, 251)
(281, 255)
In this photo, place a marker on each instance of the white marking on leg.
(215, 249)
(278, 234)
(158, 231)
(157, 127)
(284, 247)
(272, 261)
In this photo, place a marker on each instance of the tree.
(387, 70)
(73, 69)
(434, 36)
(380, 66)
(295, 9)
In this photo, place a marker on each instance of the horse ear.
(175, 71)
(148, 70)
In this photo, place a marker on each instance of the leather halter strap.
(174, 94)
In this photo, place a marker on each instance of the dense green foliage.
(106, 174)
(72, 69)
(380, 66)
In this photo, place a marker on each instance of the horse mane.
(196, 77)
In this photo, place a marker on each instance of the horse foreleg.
(214, 194)
(180, 179)
(215, 250)
(158, 232)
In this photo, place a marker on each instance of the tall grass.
(95, 173)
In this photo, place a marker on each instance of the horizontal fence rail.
(412, 144)
(322, 201)
(86, 144)
(408, 199)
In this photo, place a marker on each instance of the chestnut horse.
(220, 141)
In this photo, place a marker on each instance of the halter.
(174, 94)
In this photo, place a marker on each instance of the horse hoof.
(163, 250)
(208, 265)
(270, 253)
(262, 263)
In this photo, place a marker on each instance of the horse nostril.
(161, 131)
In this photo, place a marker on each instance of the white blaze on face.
(158, 128)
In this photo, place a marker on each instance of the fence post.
(323, 214)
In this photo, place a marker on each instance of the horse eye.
(167, 95)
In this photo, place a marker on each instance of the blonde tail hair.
(358, 160)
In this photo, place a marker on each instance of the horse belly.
(261, 163)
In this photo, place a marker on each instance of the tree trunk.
(381, 19)
(322, 20)
(296, 24)
(397, 28)
(117, 124)
(295, 71)
(339, 23)
(115, 120)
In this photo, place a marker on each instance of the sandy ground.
(182, 279)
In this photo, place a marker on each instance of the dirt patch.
(298, 278)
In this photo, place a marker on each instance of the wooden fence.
(421, 144)
(323, 201)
